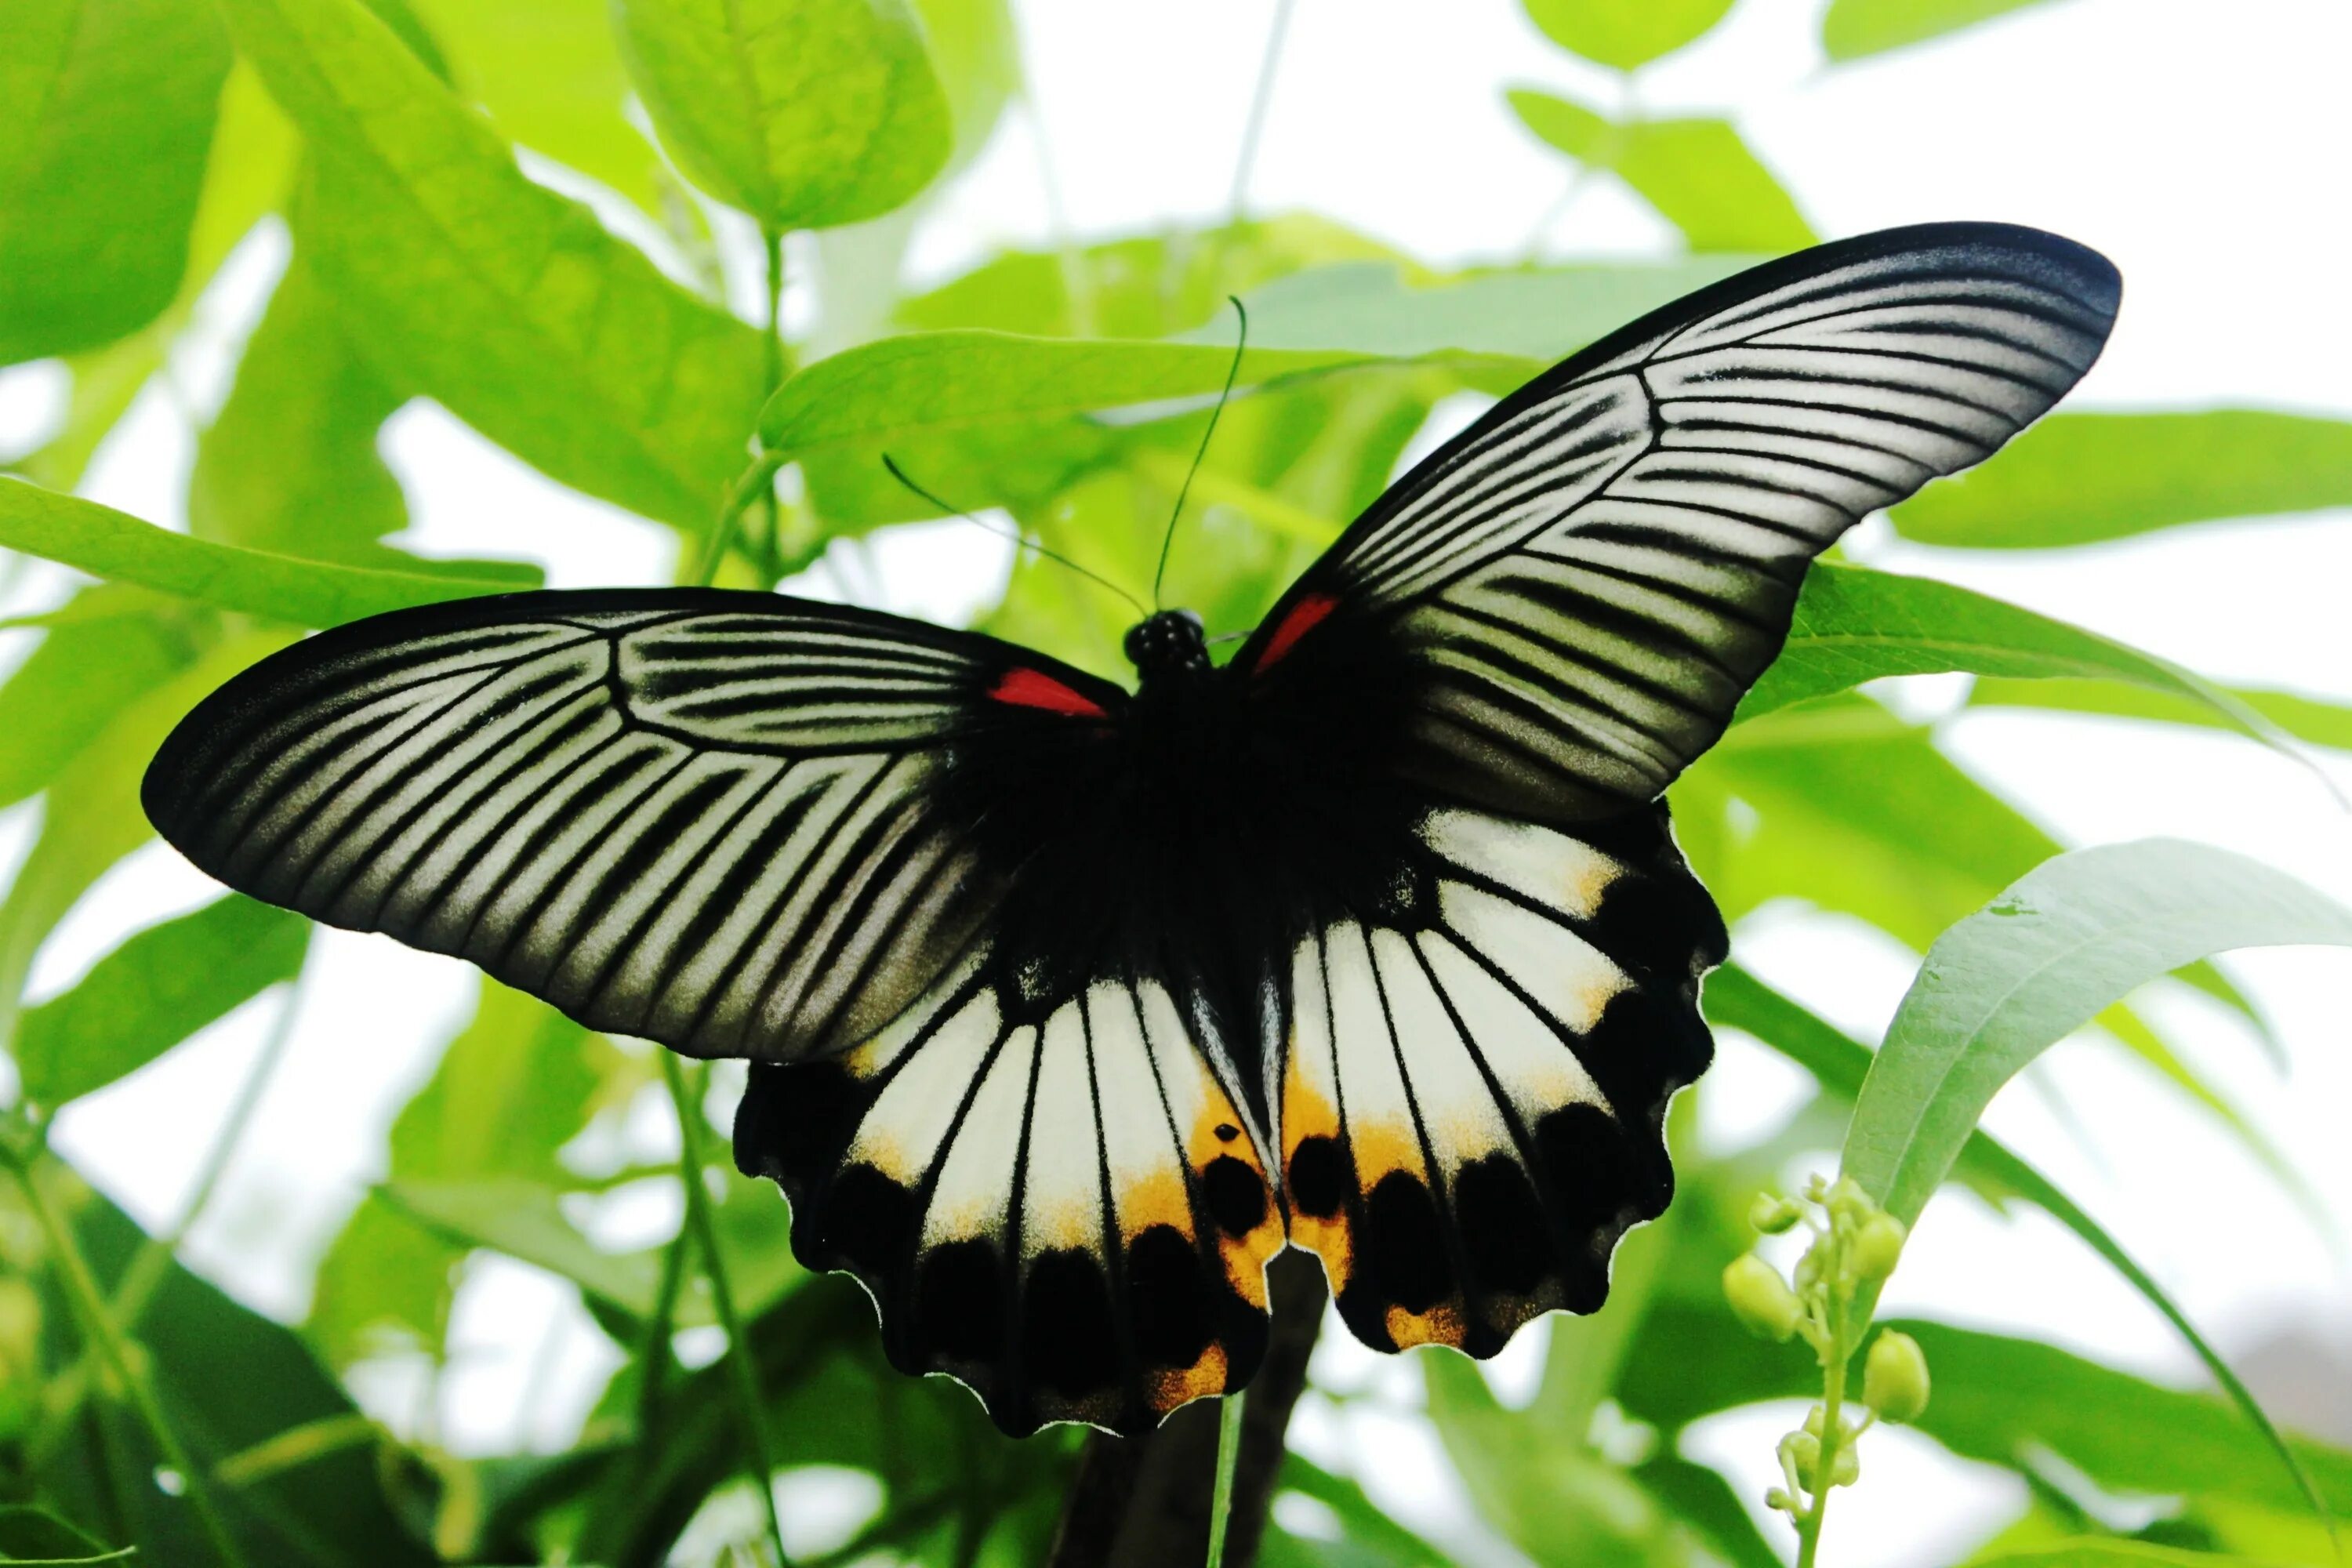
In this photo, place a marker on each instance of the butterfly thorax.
(1171, 643)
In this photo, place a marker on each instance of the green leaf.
(107, 543)
(290, 465)
(1540, 314)
(804, 113)
(2001, 986)
(1841, 1065)
(106, 648)
(549, 73)
(2076, 478)
(159, 987)
(1699, 174)
(252, 160)
(1554, 1498)
(1624, 33)
(2004, 1401)
(512, 1088)
(2306, 718)
(929, 384)
(1852, 28)
(229, 1381)
(466, 282)
(106, 110)
(977, 53)
(92, 818)
(1146, 286)
(522, 1218)
(35, 1538)
(2106, 1551)
(1853, 625)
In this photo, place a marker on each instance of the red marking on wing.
(1025, 688)
(1304, 618)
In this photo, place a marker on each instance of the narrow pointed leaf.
(2312, 718)
(109, 544)
(1852, 28)
(1854, 625)
(1699, 173)
(154, 991)
(2077, 479)
(2073, 936)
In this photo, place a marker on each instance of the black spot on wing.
(1405, 1244)
(1174, 1303)
(1068, 1344)
(1320, 1180)
(1504, 1234)
(869, 1220)
(959, 1304)
(1236, 1196)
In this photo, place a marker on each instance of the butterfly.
(1066, 1006)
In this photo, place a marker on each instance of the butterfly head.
(1169, 642)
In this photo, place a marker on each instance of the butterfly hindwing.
(1474, 1078)
(1572, 596)
(1054, 1201)
(716, 819)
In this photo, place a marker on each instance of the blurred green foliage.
(142, 140)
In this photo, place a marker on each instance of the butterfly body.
(1068, 1005)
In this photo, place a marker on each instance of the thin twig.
(722, 1295)
(1221, 1493)
(1260, 101)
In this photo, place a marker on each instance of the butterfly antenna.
(1241, 341)
(1018, 538)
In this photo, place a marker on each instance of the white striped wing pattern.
(1583, 583)
(707, 819)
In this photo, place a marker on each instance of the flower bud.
(1760, 1298)
(1895, 1377)
(1876, 1247)
(1772, 1213)
(1779, 1498)
(1848, 1201)
(1804, 1451)
(1846, 1468)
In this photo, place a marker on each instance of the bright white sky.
(2200, 145)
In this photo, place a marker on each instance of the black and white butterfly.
(1067, 1004)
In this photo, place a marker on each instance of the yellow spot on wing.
(1441, 1325)
(1166, 1388)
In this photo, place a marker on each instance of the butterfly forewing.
(1579, 589)
(717, 820)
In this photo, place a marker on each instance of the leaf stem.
(98, 1327)
(779, 365)
(1221, 1493)
(714, 1263)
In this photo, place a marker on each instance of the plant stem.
(98, 1327)
(1220, 1494)
(778, 366)
(1833, 1370)
(722, 1295)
